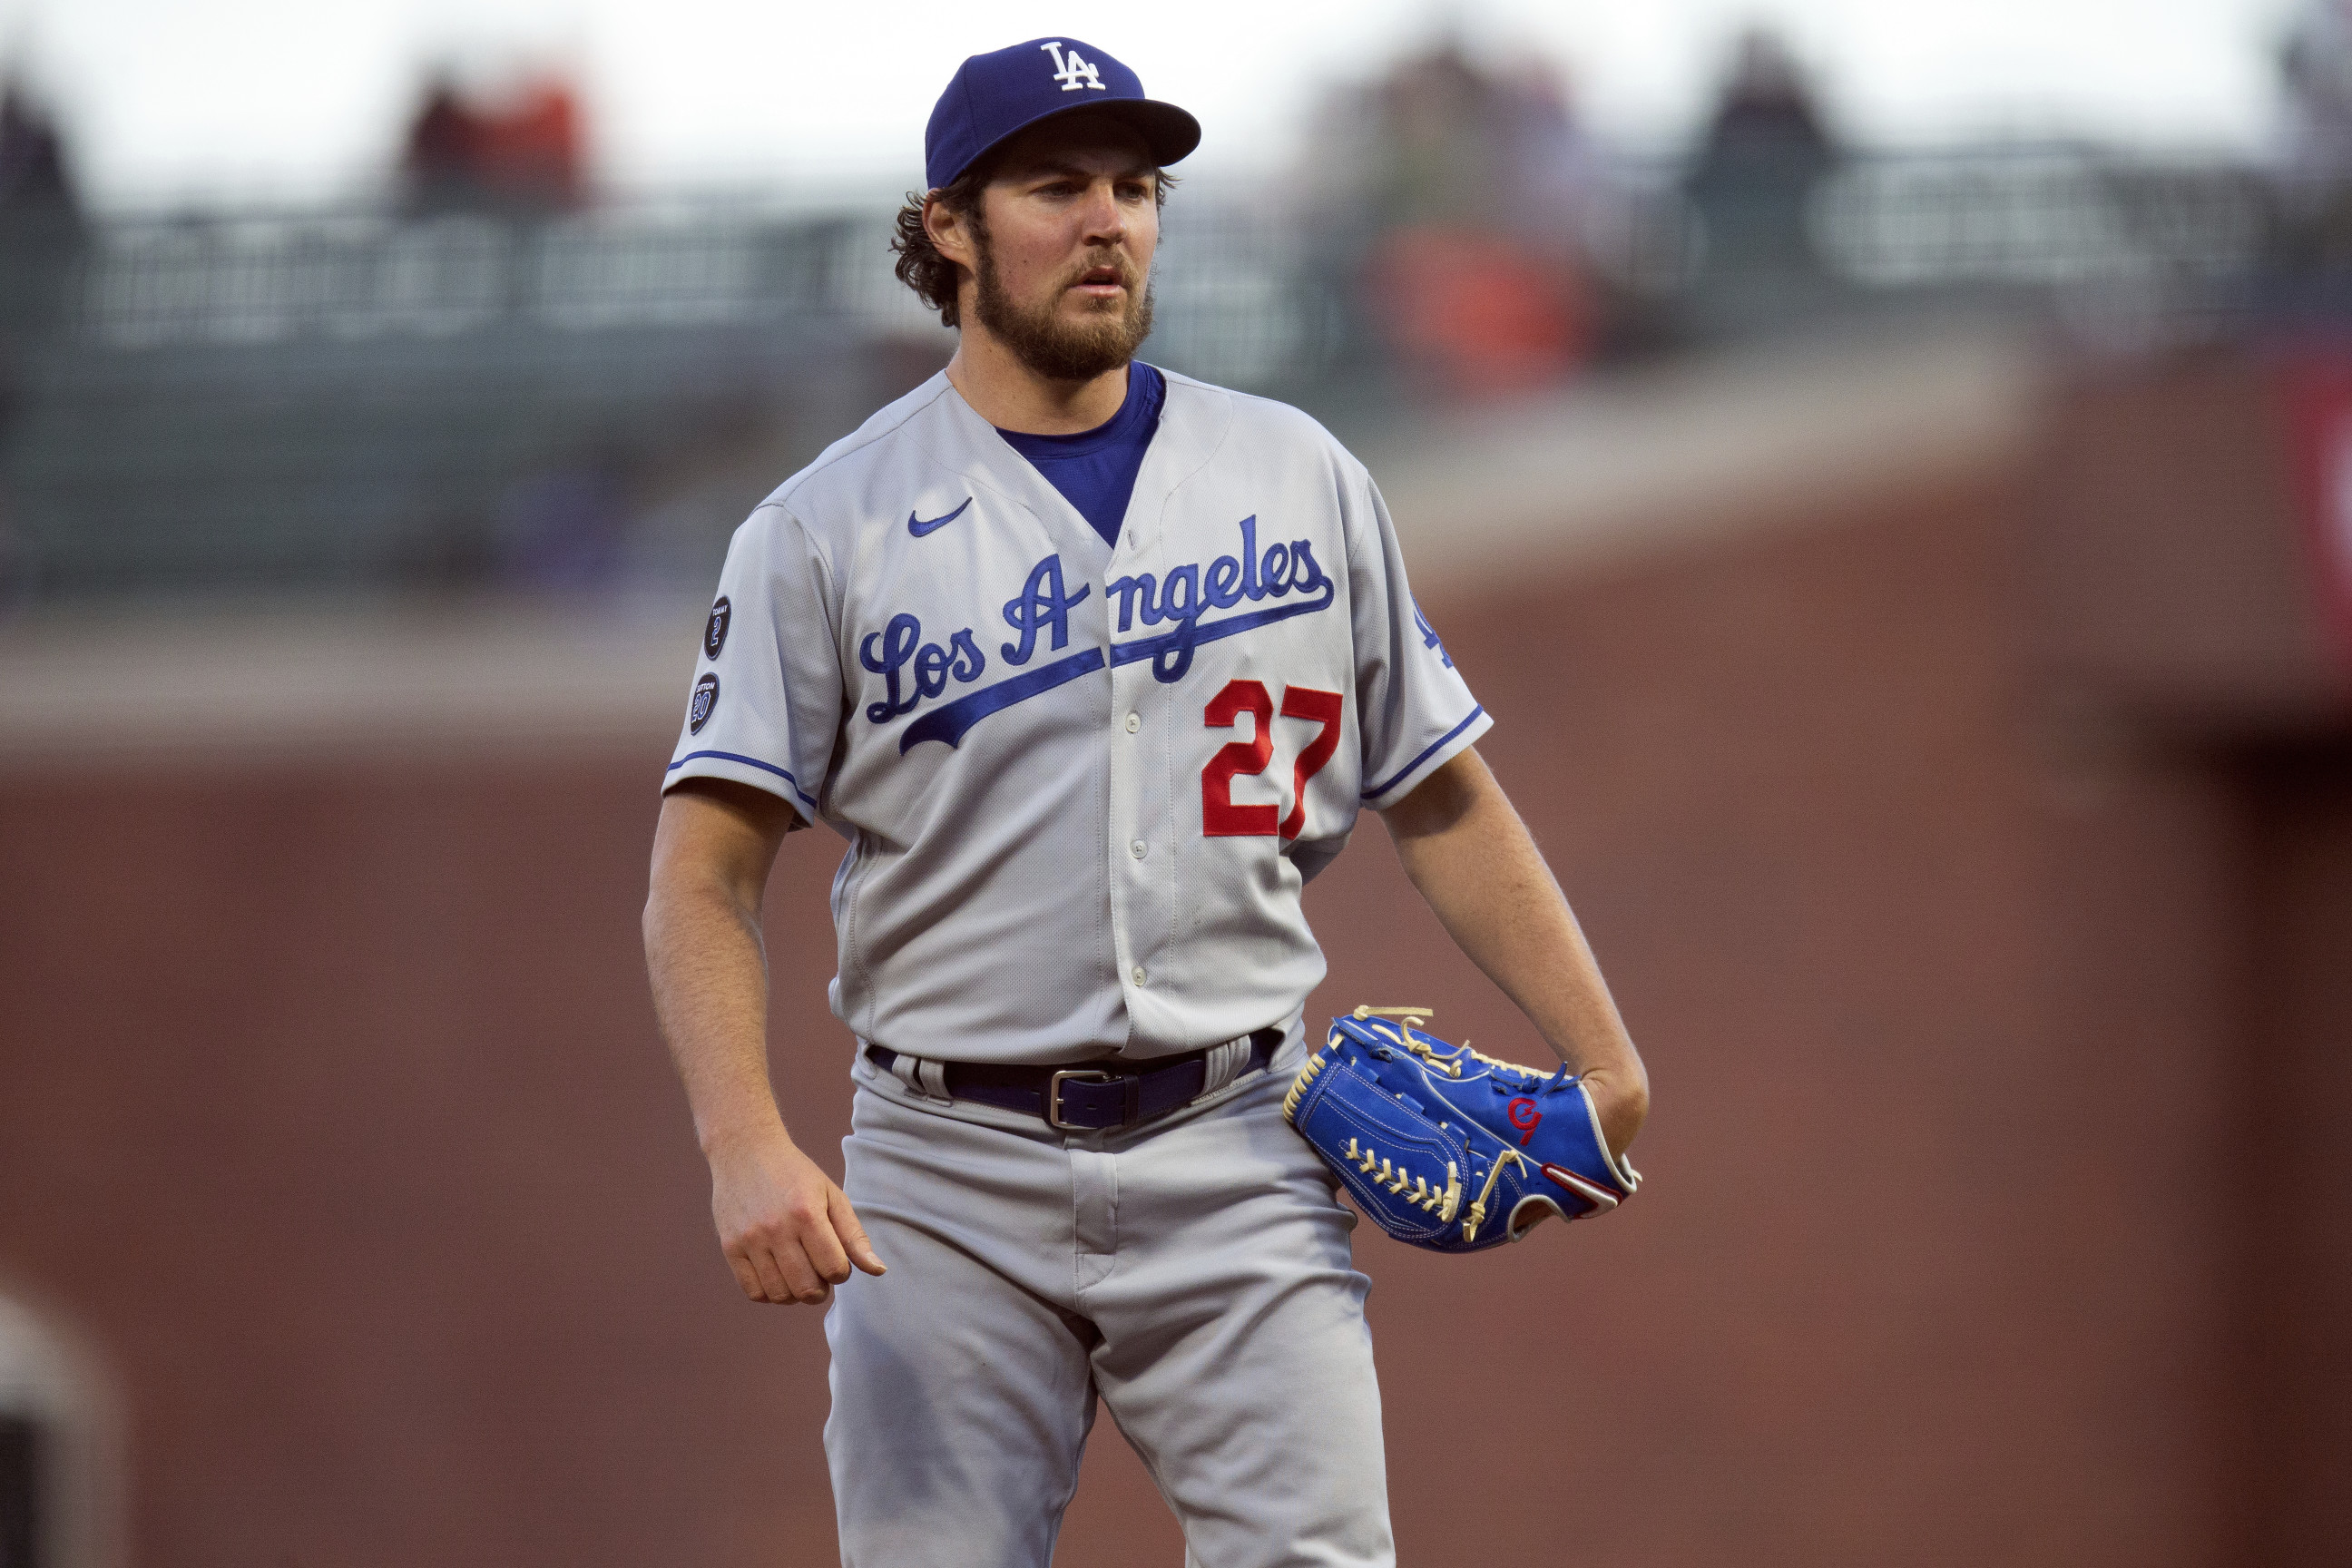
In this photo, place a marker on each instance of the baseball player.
(1092, 666)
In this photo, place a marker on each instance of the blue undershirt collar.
(1094, 469)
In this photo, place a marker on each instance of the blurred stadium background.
(1914, 578)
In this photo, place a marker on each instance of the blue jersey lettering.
(1041, 602)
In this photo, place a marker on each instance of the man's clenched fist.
(789, 1233)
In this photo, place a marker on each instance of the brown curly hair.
(932, 276)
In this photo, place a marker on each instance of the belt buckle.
(1053, 1096)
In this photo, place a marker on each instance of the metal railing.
(2050, 218)
(2026, 219)
(1229, 302)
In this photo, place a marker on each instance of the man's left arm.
(1471, 856)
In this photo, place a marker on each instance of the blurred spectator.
(1465, 193)
(33, 177)
(1441, 129)
(40, 248)
(2315, 66)
(526, 154)
(2316, 69)
(1556, 181)
(440, 162)
(531, 153)
(1767, 147)
(40, 230)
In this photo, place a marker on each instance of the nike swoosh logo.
(919, 526)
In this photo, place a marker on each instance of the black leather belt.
(1093, 1096)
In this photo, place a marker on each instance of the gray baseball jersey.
(1082, 787)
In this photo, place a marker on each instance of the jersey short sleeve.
(767, 697)
(1415, 710)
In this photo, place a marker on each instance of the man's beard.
(1052, 347)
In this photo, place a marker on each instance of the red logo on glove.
(1523, 1115)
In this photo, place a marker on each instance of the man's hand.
(789, 1233)
(1622, 1106)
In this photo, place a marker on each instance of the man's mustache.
(1111, 261)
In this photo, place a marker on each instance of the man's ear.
(949, 231)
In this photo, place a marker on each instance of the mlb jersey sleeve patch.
(767, 697)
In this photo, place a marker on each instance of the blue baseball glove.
(1446, 1148)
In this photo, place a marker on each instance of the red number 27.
(1219, 817)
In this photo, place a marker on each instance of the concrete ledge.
(1708, 450)
(269, 681)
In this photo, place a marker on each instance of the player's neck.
(1006, 393)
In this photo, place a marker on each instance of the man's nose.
(1106, 220)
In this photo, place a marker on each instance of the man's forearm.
(709, 973)
(788, 1232)
(1472, 859)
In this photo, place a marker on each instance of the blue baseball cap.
(995, 95)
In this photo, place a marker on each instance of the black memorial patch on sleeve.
(714, 635)
(706, 698)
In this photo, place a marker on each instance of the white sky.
(301, 99)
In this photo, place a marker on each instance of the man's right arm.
(788, 1231)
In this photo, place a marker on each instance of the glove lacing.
(1493, 1173)
(1443, 1202)
(1409, 1020)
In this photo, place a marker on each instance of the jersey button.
(1134, 723)
(1137, 848)
(1139, 975)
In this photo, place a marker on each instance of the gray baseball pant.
(1194, 1272)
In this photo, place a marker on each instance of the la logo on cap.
(996, 96)
(1071, 71)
